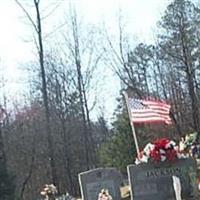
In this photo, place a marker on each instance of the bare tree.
(84, 60)
(37, 25)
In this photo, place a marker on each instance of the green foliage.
(119, 151)
(7, 187)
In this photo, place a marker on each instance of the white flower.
(199, 186)
(148, 148)
(104, 195)
(46, 188)
(49, 190)
(170, 144)
(163, 158)
(173, 143)
(181, 155)
(182, 146)
(144, 159)
(43, 193)
(137, 161)
(53, 189)
(162, 151)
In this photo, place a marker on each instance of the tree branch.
(27, 14)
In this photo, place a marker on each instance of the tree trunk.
(45, 97)
(80, 90)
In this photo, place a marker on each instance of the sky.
(17, 48)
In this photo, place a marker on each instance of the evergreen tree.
(119, 151)
(180, 42)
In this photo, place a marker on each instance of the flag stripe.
(155, 102)
(149, 115)
(150, 119)
(149, 111)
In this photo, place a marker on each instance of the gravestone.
(92, 181)
(154, 181)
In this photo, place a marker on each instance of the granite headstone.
(154, 181)
(93, 181)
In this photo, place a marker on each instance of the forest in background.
(53, 137)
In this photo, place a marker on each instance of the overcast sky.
(16, 47)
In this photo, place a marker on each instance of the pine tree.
(119, 151)
(179, 42)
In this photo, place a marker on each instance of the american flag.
(149, 111)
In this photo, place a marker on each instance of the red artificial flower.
(161, 143)
(171, 154)
(155, 155)
(160, 150)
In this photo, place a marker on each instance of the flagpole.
(132, 124)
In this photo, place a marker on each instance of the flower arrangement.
(188, 145)
(49, 191)
(158, 151)
(104, 195)
(190, 138)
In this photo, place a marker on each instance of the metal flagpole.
(132, 125)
